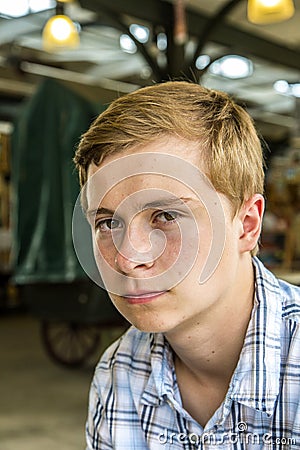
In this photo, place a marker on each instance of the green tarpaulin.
(45, 184)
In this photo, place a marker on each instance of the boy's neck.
(209, 347)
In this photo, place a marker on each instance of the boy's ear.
(250, 216)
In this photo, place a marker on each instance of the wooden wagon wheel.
(70, 343)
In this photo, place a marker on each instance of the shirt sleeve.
(97, 433)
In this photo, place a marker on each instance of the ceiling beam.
(154, 11)
(150, 11)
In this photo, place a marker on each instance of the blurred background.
(61, 63)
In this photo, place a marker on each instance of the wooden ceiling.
(100, 69)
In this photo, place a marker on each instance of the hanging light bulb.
(270, 11)
(60, 32)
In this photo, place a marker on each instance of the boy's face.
(155, 234)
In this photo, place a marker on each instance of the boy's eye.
(166, 216)
(107, 224)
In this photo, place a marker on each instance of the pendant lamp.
(270, 11)
(60, 32)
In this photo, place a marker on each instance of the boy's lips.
(142, 297)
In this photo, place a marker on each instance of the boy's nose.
(140, 248)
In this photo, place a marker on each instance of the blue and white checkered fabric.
(135, 401)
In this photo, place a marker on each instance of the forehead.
(161, 165)
(141, 193)
(174, 146)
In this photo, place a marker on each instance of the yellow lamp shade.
(270, 11)
(60, 33)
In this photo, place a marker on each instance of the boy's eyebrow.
(168, 201)
(161, 203)
(99, 211)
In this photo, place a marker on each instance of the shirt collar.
(255, 382)
(161, 379)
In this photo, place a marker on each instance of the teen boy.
(210, 362)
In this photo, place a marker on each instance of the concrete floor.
(42, 406)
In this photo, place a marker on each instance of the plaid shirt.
(135, 401)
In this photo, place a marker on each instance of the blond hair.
(230, 147)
